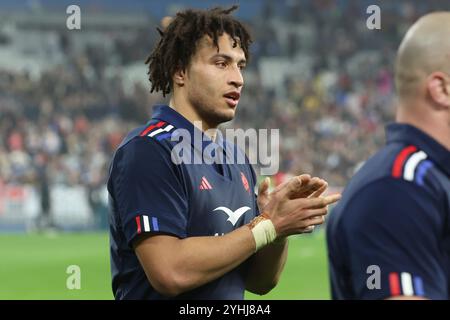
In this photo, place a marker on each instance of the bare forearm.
(208, 258)
(266, 267)
(189, 263)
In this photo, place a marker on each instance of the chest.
(219, 202)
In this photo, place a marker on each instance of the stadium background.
(67, 97)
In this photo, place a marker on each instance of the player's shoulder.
(145, 144)
(392, 177)
(154, 134)
(407, 164)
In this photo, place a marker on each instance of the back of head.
(422, 77)
(424, 51)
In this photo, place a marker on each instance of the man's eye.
(221, 64)
(242, 66)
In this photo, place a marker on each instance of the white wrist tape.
(264, 233)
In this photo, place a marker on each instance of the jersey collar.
(400, 132)
(168, 114)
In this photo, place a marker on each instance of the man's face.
(214, 80)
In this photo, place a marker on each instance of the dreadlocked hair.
(179, 41)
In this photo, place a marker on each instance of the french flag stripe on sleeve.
(407, 285)
(418, 286)
(153, 126)
(394, 284)
(146, 224)
(138, 224)
(422, 169)
(397, 168)
(155, 224)
(411, 165)
(158, 131)
(142, 224)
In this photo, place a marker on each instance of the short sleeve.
(393, 230)
(148, 190)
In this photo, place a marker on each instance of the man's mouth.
(232, 98)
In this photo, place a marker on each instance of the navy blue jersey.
(151, 193)
(393, 221)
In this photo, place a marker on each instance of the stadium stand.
(67, 98)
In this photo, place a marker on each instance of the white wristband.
(264, 233)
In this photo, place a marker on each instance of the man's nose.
(236, 78)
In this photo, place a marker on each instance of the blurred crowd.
(63, 127)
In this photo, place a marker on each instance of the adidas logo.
(204, 184)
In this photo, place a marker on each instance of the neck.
(187, 111)
(432, 124)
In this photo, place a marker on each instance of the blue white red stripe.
(405, 284)
(411, 165)
(160, 130)
(152, 127)
(143, 224)
(167, 128)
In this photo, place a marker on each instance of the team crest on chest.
(245, 182)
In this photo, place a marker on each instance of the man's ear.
(438, 86)
(179, 77)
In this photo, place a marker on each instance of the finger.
(321, 190)
(300, 186)
(309, 203)
(308, 229)
(293, 185)
(313, 222)
(316, 203)
(281, 186)
(304, 178)
(328, 200)
(264, 187)
(313, 213)
(333, 198)
(316, 220)
(313, 185)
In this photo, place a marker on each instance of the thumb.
(264, 186)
